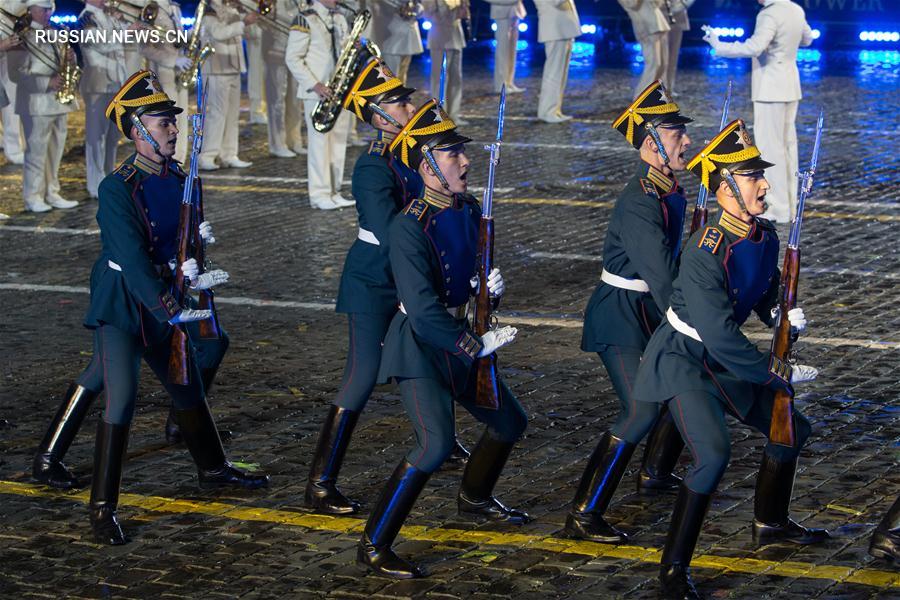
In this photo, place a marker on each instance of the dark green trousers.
(367, 333)
(635, 418)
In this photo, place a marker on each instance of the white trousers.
(220, 135)
(284, 109)
(180, 96)
(554, 77)
(453, 83)
(673, 42)
(256, 69)
(398, 64)
(507, 36)
(325, 156)
(45, 139)
(12, 125)
(655, 48)
(101, 137)
(775, 133)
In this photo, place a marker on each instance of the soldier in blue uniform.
(132, 313)
(701, 364)
(640, 257)
(430, 347)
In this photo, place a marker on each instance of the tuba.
(194, 51)
(329, 109)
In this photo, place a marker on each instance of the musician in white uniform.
(781, 28)
(506, 14)
(679, 23)
(104, 74)
(395, 28)
(446, 37)
(35, 69)
(13, 146)
(6, 44)
(284, 109)
(558, 26)
(256, 68)
(651, 27)
(313, 49)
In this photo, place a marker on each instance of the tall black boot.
(202, 439)
(664, 446)
(109, 454)
(47, 466)
(322, 493)
(477, 487)
(459, 456)
(400, 493)
(771, 505)
(687, 521)
(173, 432)
(886, 539)
(602, 475)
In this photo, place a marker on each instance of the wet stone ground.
(555, 188)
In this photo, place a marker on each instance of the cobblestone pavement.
(555, 188)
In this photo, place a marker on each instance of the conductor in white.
(558, 26)
(781, 28)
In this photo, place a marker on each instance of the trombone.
(146, 15)
(263, 8)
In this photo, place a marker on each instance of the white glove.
(186, 315)
(496, 285)
(209, 279)
(183, 63)
(797, 319)
(801, 373)
(497, 338)
(206, 233)
(190, 269)
(710, 36)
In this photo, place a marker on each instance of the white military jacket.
(507, 9)
(313, 47)
(104, 62)
(446, 27)
(32, 77)
(680, 14)
(647, 16)
(557, 20)
(392, 33)
(781, 28)
(163, 55)
(274, 42)
(223, 29)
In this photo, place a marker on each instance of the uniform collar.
(733, 224)
(437, 199)
(663, 183)
(384, 136)
(146, 165)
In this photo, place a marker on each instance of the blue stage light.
(523, 27)
(816, 34)
(808, 55)
(521, 45)
(426, 25)
(879, 36)
(63, 19)
(493, 25)
(589, 28)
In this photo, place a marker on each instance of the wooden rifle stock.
(487, 383)
(209, 328)
(179, 371)
(781, 430)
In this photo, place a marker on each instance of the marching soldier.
(702, 365)
(223, 28)
(885, 541)
(430, 348)
(167, 62)
(35, 69)
(506, 14)
(781, 28)
(11, 124)
(314, 43)
(395, 28)
(103, 75)
(283, 108)
(446, 38)
(640, 258)
(651, 27)
(558, 26)
(679, 23)
(132, 312)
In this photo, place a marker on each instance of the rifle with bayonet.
(781, 430)
(701, 213)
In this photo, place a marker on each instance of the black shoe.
(684, 529)
(601, 476)
(482, 472)
(886, 539)
(202, 439)
(771, 506)
(593, 527)
(459, 456)
(47, 466)
(322, 493)
(109, 454)
(664, 446)
(384, 524)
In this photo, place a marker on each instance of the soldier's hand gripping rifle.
(781, 430)
(698, 221)
(188, 238)
(487, 384)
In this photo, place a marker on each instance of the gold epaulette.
(710, 240)
(416, 208)
(300, 23)
(125, 171)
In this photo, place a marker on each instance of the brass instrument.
(263, 9)
(194, 51)
(409, 10)
(70, 73)
(328, 110)
(146, 15)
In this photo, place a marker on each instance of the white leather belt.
(368, 237)
(680, 326)
(635, 285)
(457, 312)
(113, 266)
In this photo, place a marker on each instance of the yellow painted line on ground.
(346, 525)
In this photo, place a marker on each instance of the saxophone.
(198, 54)
(70, 73)
(329, 109)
